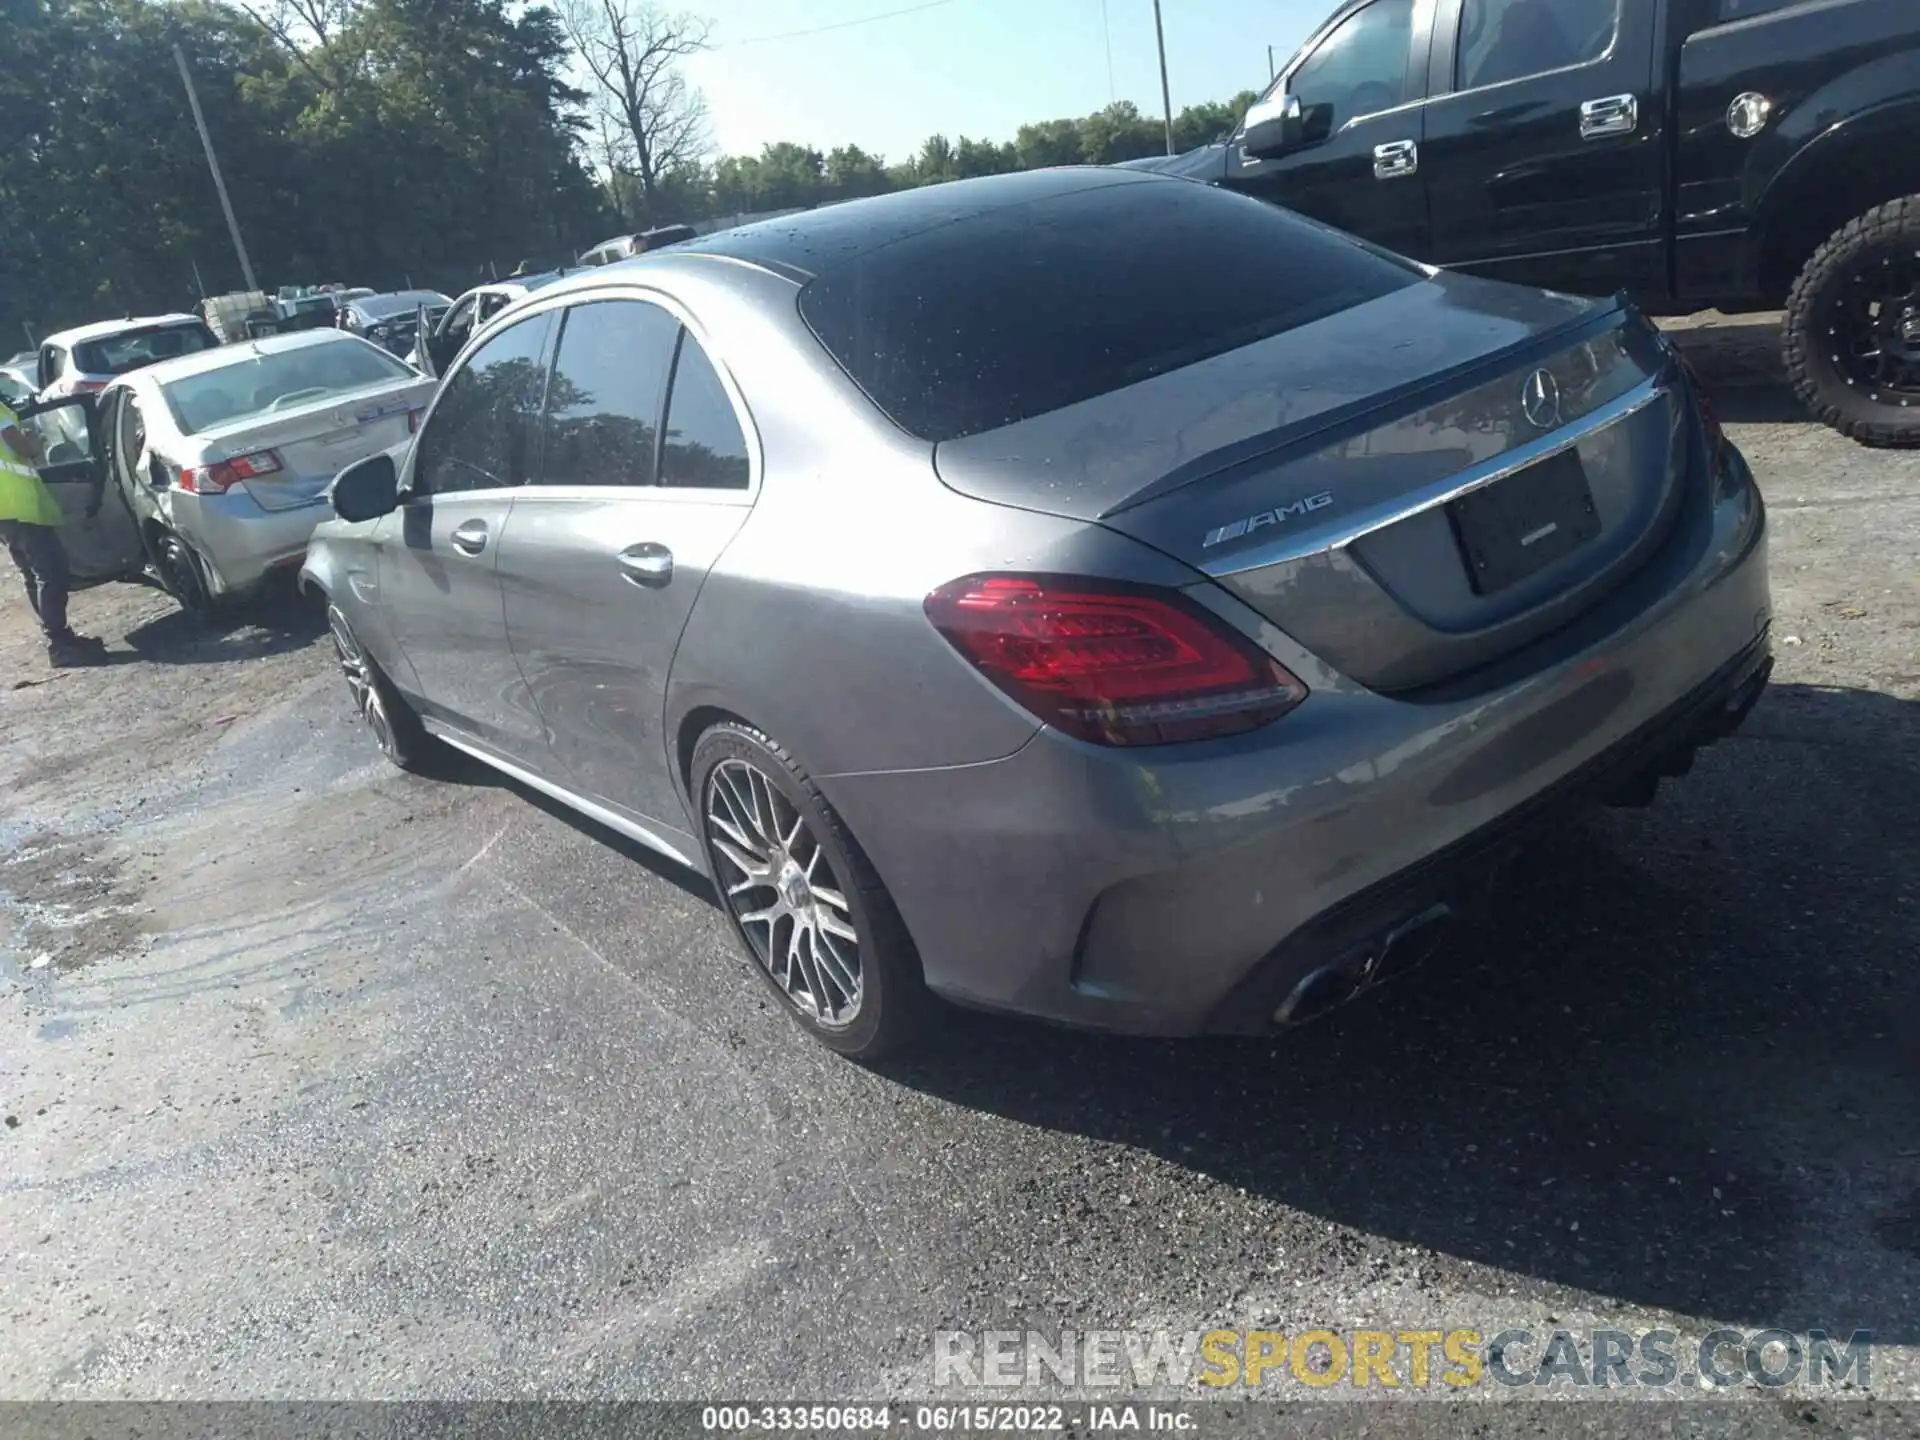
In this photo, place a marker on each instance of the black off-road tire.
(1817, 378)
(894, 1006)
(394, 724)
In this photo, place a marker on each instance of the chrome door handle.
(1614, 115)
(649, 565)
(1396, 160)
(470, 537)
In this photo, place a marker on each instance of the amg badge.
(1278, 515)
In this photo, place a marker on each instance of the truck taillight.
(221, 477)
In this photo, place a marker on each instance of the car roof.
(801, 246)
(429, 298)
(221, 356)
(100, 329)
(523, 285)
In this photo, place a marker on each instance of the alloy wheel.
(1874, 328)
(782, 888)
(360, 680)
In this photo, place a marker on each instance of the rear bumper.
(1181, 890)
(1382, 930)
(239, 540)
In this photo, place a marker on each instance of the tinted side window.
(603, 406)
(705, 448)
(479, 436)
(1504, 40)
(1359, 69)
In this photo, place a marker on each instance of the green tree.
(983, 157)
(852, 172)
(1048, 143)
(1120, 132)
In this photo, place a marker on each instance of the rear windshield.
(264, 384)
(118, 354)
(1031, 308)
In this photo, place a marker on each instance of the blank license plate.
(1518, 526)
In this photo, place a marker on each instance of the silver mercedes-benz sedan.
(1082, 593)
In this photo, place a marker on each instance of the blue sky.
(972, 67)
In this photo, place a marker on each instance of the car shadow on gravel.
(1674, 1068)
(271, 624)
(1739, 360)
(446, 765)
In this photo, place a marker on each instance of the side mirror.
(1273, 127)
(366, 489)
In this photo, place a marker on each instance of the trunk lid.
(1339, 477)
(316, 441)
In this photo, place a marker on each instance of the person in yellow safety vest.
(30, 524)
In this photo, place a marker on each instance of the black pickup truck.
(1733, 154)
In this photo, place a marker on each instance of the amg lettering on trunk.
(1278, 515)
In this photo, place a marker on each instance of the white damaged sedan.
(221, 460)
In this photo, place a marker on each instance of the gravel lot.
(323, 1081)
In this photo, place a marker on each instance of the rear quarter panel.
(810, 624)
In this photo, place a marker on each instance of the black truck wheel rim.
(1874, 328)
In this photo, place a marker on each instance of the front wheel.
(395, 726)
(803, 897)
(1852, 338)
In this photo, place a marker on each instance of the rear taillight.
(414, 417)
(88, 387)
(219, 478)
(1110, 663)
(1716, 437)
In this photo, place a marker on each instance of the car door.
(75, 468)
(441, 346)
(604, 557)
(438, 551)
(1359, 164)
(1543, 152)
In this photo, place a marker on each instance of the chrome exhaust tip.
(1327, 988)
(1409, 942)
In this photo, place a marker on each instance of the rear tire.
(395, 725)
(815, 919)
(1837, 319)
(185, 578)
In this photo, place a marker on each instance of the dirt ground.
(320, 1080)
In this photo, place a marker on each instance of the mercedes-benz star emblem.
(1541, 400)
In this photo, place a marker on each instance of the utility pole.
(1271, 71)
(213, 164)
(1166, 95)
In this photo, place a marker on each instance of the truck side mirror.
(1273, 127)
